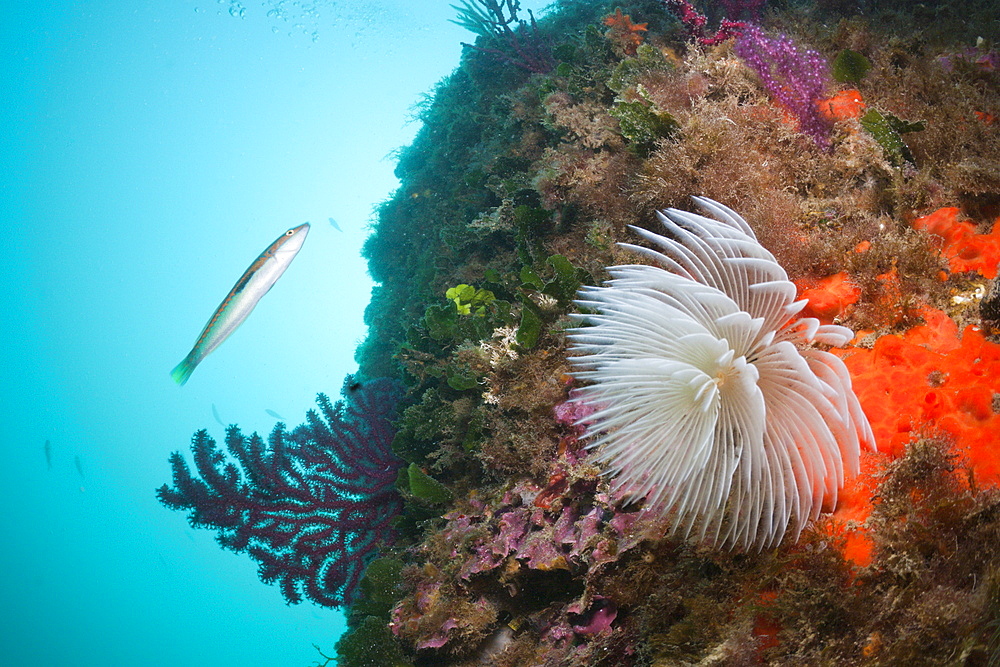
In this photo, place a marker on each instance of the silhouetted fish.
(79, 466)
(274, 414)
(215, 413)
(48, 453)
(333, 223)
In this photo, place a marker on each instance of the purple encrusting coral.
(986, 60)
(518, 537)
(311, 506)
(573, 413)
(796, 78)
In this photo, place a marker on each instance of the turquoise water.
(150, 151)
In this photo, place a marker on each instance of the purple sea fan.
(311, 506)
(713, 402)
(797, 79)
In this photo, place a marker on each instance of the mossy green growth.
(461, 319)
(379, 588)
(887, 130)
(565, 280)
(850, 66)
(642, 124)
(530, 327)
(562, 286)
(462, 379)
(992, 628)
(425, 488)
(584, 62)
(531, 224)
(647, 59)
(370, 644)
(422, 425)
(469, 300)
(600, 235)
(441, 322)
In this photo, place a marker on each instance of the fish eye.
(289, 232)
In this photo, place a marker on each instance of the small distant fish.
(48, 453)
(274, 414)
(215, 413)
(163, 561)
(333, 223)
(241, 300)
(79, 466)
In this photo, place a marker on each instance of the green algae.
(887, 130)
(642, 125)
(425, 488)
(469, 300)
(850, 66)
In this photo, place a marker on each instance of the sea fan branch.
(311, 506)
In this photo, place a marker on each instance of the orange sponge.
(929, 381)
(961, 245)
(828, 297)
(932, 378)
(845, 104)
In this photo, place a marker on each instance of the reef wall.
(862, 146)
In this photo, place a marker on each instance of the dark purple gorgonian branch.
(505, 35)
(311, 506)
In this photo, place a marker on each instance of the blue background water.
(149, 151)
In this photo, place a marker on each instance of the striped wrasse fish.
(241, 300)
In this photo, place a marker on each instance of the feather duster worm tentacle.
(712, 401)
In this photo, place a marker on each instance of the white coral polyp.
(713, 402)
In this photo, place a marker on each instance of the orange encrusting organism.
(928, 381)
(842, 106)
(854, 504)
(623, 32)
(766, 628)
(828, 297)
(964, 249)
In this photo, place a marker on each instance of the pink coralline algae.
(978, 58)
(573, 412)
(540, 539)
(510, 541)
(597, 618)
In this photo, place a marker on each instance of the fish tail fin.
(183, 370)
